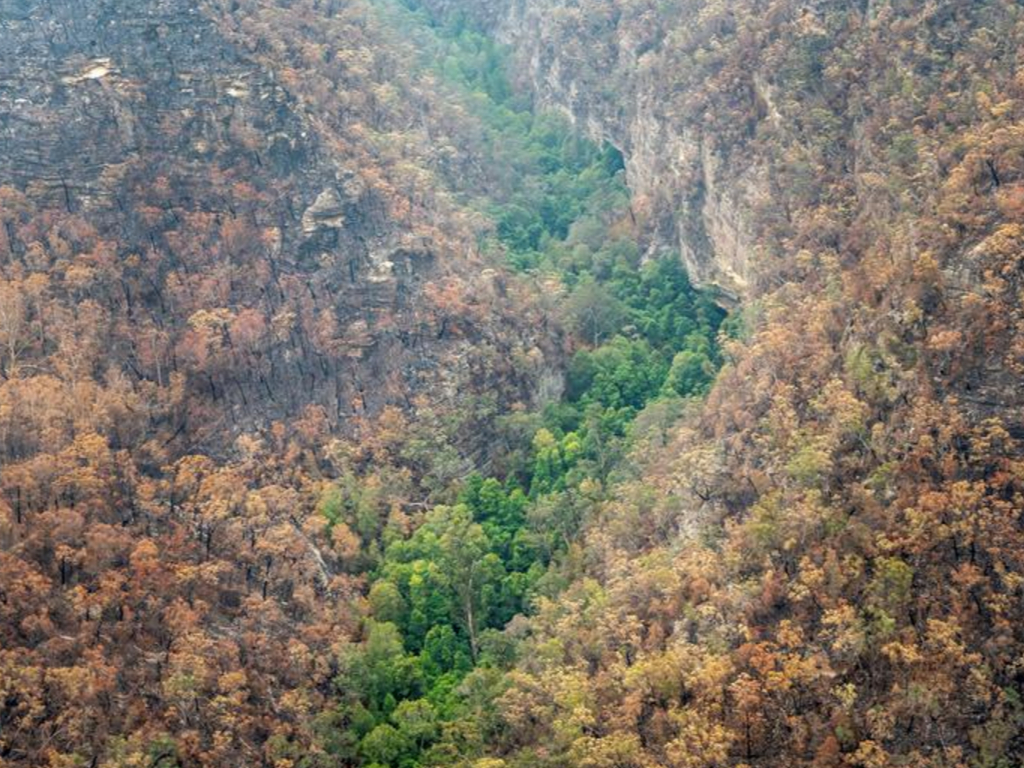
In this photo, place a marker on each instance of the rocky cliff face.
(697, 204)
(605, 67)
(250, 235)
(750, 146)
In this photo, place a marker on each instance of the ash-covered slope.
(225, 230)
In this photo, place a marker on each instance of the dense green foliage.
(433, 654)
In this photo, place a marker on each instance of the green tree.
(691, 374)
(378, 670)
(384, 745)
(416, 722)
(464, 550)
(593, 313)
(443, 651)
(387, 603)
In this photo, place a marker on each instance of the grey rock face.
(327, 212)
(90, 86)
(700, 202)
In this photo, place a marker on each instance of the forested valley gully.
(511, 384)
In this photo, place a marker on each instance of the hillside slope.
(177, 153)
(824, 567)
(224, 255)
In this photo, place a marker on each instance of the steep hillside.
(823, 567)
(223, 257)
(277, 280)
(174, 158)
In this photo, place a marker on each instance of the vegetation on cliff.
(417, 686)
